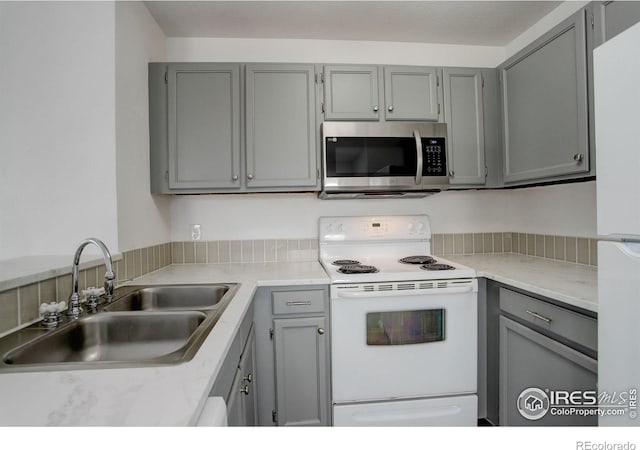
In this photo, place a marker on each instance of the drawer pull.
(299, 303)
(538, 316)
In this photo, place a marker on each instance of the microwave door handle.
(416, 136)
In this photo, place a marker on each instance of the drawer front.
(297, 302)
(573, 326)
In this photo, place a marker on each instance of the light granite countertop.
(151, 396)
(573, 284)
(175, 395)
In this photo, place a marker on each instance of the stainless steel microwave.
(392, 159)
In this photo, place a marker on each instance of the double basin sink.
(143, 325)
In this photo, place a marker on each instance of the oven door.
(403, 343)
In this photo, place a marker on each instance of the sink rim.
(183, 355)
(111, 306)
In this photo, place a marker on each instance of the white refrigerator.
(617, 127)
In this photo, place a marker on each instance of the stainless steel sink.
(162, 337)
(142, 326)
(174, 297)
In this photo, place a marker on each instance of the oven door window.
(405, 327)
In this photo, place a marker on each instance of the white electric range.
(404, 325)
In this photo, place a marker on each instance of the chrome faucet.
(74, 309)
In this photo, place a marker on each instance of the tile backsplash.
(252, 251)
(578, 250)
(19, 306)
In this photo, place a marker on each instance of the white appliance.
(404, 330)
(617, 119)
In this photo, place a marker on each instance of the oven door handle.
(416, 136)
(408, 293)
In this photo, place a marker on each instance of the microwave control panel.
(434, 155)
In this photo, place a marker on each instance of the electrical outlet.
(196, 232)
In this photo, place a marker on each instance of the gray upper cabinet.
(612, 18)
(203, 125)
(410, 93)
(361, 92)
(351, 93)
(464, 116)
(280, 126)
(544, 105)
(228, 128)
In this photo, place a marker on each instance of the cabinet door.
(544, 99)
(203, 125)
(235, 416)
(281, 129)
(463, 113)
(531, 360)
(351, 93)
(301, 371)
(248, 381)
(410, 93)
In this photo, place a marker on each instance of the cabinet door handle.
(250, 176)
(578, 157)
(321, 331)
(248, 378)
(375, 108)
(299, 303)
(245, 390)
(452, 173)
(538, 316)
(234, 178)
(390, 108)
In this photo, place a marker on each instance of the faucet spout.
(74, 300)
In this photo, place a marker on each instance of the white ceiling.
(491, 23)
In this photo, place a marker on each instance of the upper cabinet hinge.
(593, 22)
(166, 78)
(322, 107)
(438, 108)
(321, 77)
(482, 79)
(271, 333)
(486, 171)
(318, 174)
(274, 416)
(437, 80)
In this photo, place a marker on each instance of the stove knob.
(412, 228)
(421, 227)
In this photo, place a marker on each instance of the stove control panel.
(360, 228)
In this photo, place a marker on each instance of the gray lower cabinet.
(545, 107)
(611, 18)
(547, 353)
(464, 116)
(292, 325)
(281, 126)
(361, 92)
(237, 380)
(301, 371)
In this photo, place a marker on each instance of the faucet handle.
(92, 292)
(92, 295)
(51, 312)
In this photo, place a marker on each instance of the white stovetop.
(390, 270)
